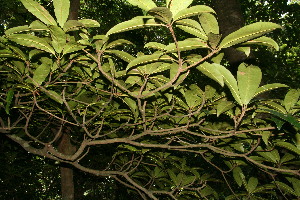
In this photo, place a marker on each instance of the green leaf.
(248, 79)
(265, 136)
(58, 38)
(287, 117)
(89, 23)
(230, 82)
(185, 45)
(296, 183)
(61, 10)
(117, 43)
(268, 87)
(252, 184)
(291, 99)
(9, 100)
(143, 4)
(134, 23)
(41, 73)
(223, 106)
(147, 59)
(37, 25)
(247, 33)
(271, 156)
(266, 41)
(238, 176)
(192, 11)
(121, 54)
(153, 68)
(155, 45)
(17, 29)
(162, 13)
(173, 177)
(72, 25)
(39, 11)
(193, 27)
(288, 146)
(53, 95)
(209, 23)
(285, 187)
(212, 72)
(178, 5)
(132, 105)
(246, 50)
(192, 99)
(72, 47)
(32, 41)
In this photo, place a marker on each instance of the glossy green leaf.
(132, 105)
(296, 183)
(178, 5)
(223, 106)
(117, 43)
(58, 38)
(265, 136)
(17, 29)
(162, 13)
(155, 45)
(285, 187)
(39, 11)
(61, 10)
(72, 47)
(246, 50)
(72, 25)
(40, 74)
(248, 79)
(212, 72)
(135, 23)
(291, 99)
(288, 146)
(192, 11)
(185, 45)
(121, 54)
(238, 176)
(8, 54)
(37, 25)
(193, 27)
(271, 156)
(147, 59)
(231, 82)
(247, 33)
(287, 117)
(268, 87)
(192, 99)
(89, 23)
(252, 184)
(143, 4)
(153, 68)
(32, 41)
(266, 41)
(209, 23)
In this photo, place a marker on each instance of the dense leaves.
(135, 117)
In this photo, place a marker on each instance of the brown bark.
(67, 183)
(230, 18)
(74, 8)
(65, 146)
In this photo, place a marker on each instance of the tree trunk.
(65, 145)
(230, 18)
(74, 9)
(66, 173)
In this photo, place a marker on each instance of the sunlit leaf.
(39, 11)
(192, 11)
(143, 4)
(61, 10)
(178, 5)
(247, 33)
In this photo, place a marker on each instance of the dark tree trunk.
(65, 145)
(230, 18)
(66, 173)
(74, 9)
